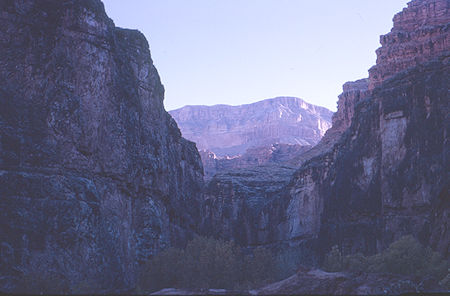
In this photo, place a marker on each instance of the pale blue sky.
(240, 51)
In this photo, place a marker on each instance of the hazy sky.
(240, 51)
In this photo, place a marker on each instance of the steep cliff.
(282, 154)
(235, 203)
(250, 200)
(94, 174)
(420, 33)
(387, 175)
(231, 130)
(381, 171)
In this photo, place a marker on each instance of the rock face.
(231, 130)
(249, 199)
(94, 174)
(381, 171)
(386, 176)
(353, 92)
(237, 201)
(420, 32)
(240, 188)
(272, 154)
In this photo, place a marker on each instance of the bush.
(165, 270)
(356, 262)
(259, 269)
(206, 263)
(333, 260)
(211, 263)
(405, 256)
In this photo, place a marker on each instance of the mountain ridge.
(252, 103)
(231, 130)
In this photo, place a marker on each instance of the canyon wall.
(249, 198)
(420, 33)
(231, 130)
(381, 171)
(94, 174)
(387, 175)
(274, 154)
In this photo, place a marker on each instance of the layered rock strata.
(263, 174)
(237, 201)
(387, 174)
(94, 174)
(231, 130)
(381, 171)
(420, 33)
(253, 157)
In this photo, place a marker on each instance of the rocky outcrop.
(338, 283)
(353, 93)
(386, 176)
(381, 171)
(237, 203)
(319, 282)
(420, 33)
(94, 174)
(286, 154)
(285, 214)
(241, 186)
(231, 130)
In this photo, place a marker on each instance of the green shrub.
(211, 263)
(405, 256)
(206, 263)
(356, 262)
(259, 268)
(164, 270)
(333, 260)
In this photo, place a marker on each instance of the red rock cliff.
(419, 34)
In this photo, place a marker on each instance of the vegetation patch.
(405, 256)
(208, 263)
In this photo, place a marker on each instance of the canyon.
(380, 171)
(273, 131)
(96, 177)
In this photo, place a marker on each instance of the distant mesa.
(231, 130)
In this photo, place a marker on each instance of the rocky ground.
(339, 283)
(319, 282)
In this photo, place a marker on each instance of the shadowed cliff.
(94, 174)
